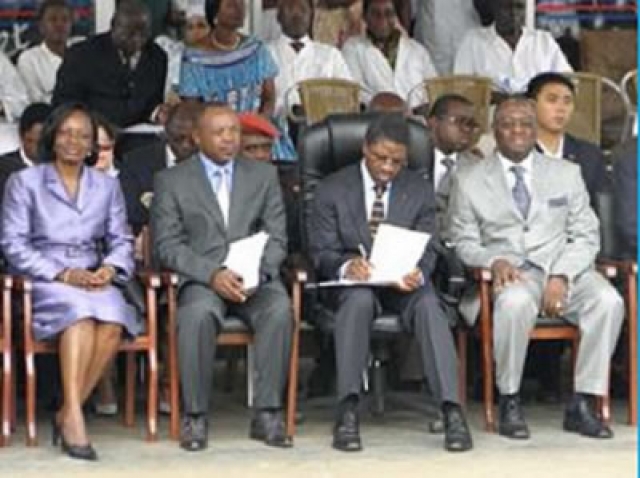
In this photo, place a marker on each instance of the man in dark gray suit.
(348, 208)
(526, 216)
(201, 206)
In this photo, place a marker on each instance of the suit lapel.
(497, 185)
(357, 208)
(56, 188)
(539, 184)
(398, 198)
(204, 191)
(240, 188)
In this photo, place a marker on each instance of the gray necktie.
(448, 163)
(520, 192)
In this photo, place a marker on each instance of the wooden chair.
(8, 402)
(628, 271)
(234, 333)
(477, 89)
(586, 119)
(146, 343)
(545, 329)
(321, 97)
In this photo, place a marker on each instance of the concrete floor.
(397, 445)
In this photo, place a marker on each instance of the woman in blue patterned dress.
(232, 68)
(64, 226)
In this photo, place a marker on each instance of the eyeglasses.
(396, 162)
(464, 122)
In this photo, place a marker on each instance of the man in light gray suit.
(201, 206)
(527, 218)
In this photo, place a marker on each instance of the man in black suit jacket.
(554, 95)
(140, 165)
(29, 129)
(120, 74)
(345, 212)
(625, 177)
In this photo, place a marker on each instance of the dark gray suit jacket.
(188, 231)
(338, 222)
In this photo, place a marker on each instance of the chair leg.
(378, 379)
(174, 379)
(632, 333)
(130, 390)
(7, 392)
(461, 336)
(152, 398)
(486, 342)
(32, 437)
(292, 392)
(250, 374)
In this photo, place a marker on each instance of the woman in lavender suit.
(64, 226)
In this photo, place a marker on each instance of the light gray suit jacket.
(188, 231)
(560, 235)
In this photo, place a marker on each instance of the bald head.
(179, 128)
(388, 102)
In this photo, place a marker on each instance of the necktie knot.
(380, 189)
(518, 171)
(297, 46)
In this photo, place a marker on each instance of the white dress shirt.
(13, 94)
(170, 157)
(372, 70)
(485, 53)
(558, 153)
(439, 169)
(314, 60)
(441, 26)
(38, 67)
(526, 163)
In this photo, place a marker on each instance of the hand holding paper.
(244, 258)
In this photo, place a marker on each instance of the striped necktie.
(377, 210)
(521, 195)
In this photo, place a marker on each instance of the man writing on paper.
(200, 207)
(348, 208)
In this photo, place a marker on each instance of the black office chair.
(324, 148)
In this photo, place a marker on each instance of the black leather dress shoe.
(268, 426)
(512, 424)
(580, 417)
(346, 432)
(457, 436)
(194, 433)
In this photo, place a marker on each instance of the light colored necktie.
(222, 194)
(520, 192)
(443, 184)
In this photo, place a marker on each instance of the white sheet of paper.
(396, 252)
(244, 258)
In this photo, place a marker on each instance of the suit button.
(526, 229)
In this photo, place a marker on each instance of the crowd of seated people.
(75, 214)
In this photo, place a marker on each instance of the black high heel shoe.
(78, 452)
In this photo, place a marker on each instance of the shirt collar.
(439, 155)
(24, 157)
(553, 154)
(526, 163)
(212, 168)
(304, 40)
(171, 157)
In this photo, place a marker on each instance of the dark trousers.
(421, 315)
(201, 313)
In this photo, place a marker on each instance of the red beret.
(255, 124)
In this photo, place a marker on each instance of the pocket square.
(558, 202)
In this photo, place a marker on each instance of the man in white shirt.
(13, 95)
(39, 65)
(297, 56)
(384, 59)
(508, 52)
(441, 25)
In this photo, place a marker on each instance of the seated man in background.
(298, 56)
(121, 73)
(14, 97)
(140, 165)
(29, 129)
(347, 209)
(384, 58)
(199, 208)
(508, 52)
(554, 96)
(527, 218)
(258, 136)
